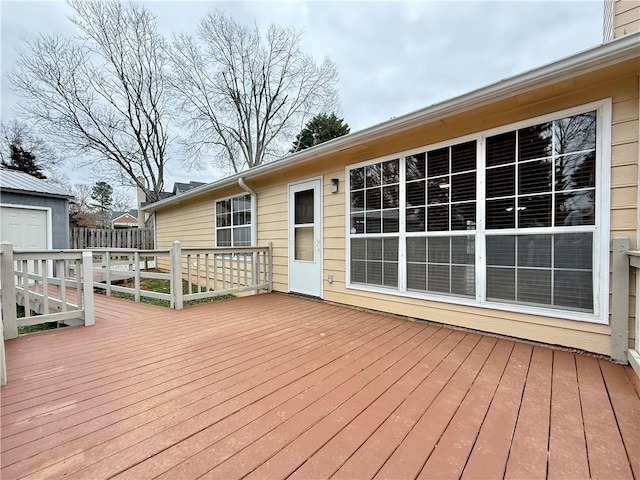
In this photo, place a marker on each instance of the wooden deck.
(276, 386)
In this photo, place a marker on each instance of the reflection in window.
(542, 176)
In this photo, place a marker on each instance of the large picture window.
(233, 222)
(504, 217)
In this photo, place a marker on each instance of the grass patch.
(34, 328)
(161, 286)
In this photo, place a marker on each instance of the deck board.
(277, 386)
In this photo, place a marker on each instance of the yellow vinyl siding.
(626, 17)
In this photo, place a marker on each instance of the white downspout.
(254, 209)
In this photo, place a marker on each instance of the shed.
(34, 213)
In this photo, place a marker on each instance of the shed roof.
(611, 53)
(21, 182)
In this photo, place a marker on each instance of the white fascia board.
(602, 56)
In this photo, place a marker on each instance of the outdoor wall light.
(334, 185)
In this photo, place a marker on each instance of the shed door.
(305, 233)
(24, 227)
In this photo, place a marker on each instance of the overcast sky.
(393, 57)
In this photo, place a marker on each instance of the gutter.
(254, 210)
(602, 56)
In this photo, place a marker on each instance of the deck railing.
(208, 272)
(623, 261)
(51, 286)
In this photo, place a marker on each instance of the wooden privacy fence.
(131, 238)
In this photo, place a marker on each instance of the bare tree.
(102, 96)
(245, 96)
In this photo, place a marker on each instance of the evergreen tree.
(319, 129)
(23, 161)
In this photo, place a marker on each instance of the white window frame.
(233, 227)
(600, 229)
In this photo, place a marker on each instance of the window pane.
(417, 276)
(357, 223)
(223, 220)
(415, 166)
(535, 177)
(534, 250)
(573, 289)
(574, 250)
(463, 157)
(501, 250)
(242, 237)
(390, 221)
(439, 249)
(223, 237)
(438, 162)
(415, 220)
(501, 149)
(535, 142)
(438, 218)
(391, 171)
(391, 197)
(374, 273)
(358, 248)
(534, 286)
(374, 249)
(374, 199)
(534, 211)
(373, 222)
(438, 278)
(501, 213)
(463, 216)
(390, 274)
(390, 249)
(501, 182)
(415, 194)
(463, 187)
(576, 171)
(575, 208)
(304, 207)
(358, 271)
(463, 250)
(303, 243)
(501, 283)
(416, 249)
(463, 280)
(357, 201)
(372, 176)
(574, 134)
(357, 178)
(438, 190)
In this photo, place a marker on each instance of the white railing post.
(3, 362)
(87, 288)
(176, 275)
(620, 300)
(270, 267)
(7, 281)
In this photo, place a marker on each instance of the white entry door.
(305, 238)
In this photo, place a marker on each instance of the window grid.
(577, 187)
(233, 221)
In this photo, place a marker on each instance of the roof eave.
(602, 56)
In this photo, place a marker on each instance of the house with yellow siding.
(493, 211)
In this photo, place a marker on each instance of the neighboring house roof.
(611, 53)
(115, 216)
(20, 182)
(179, 187)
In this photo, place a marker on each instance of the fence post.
(620, 300)
(176, 275)
(7, 281)
(87, 288)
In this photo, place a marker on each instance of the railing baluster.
(244, 258)
(136, 259)
(45, 287)
(189, 274)
(198, 273)
(63, 290)
(215, 271)
(25, 288)
(206, 267)
(107, 257)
